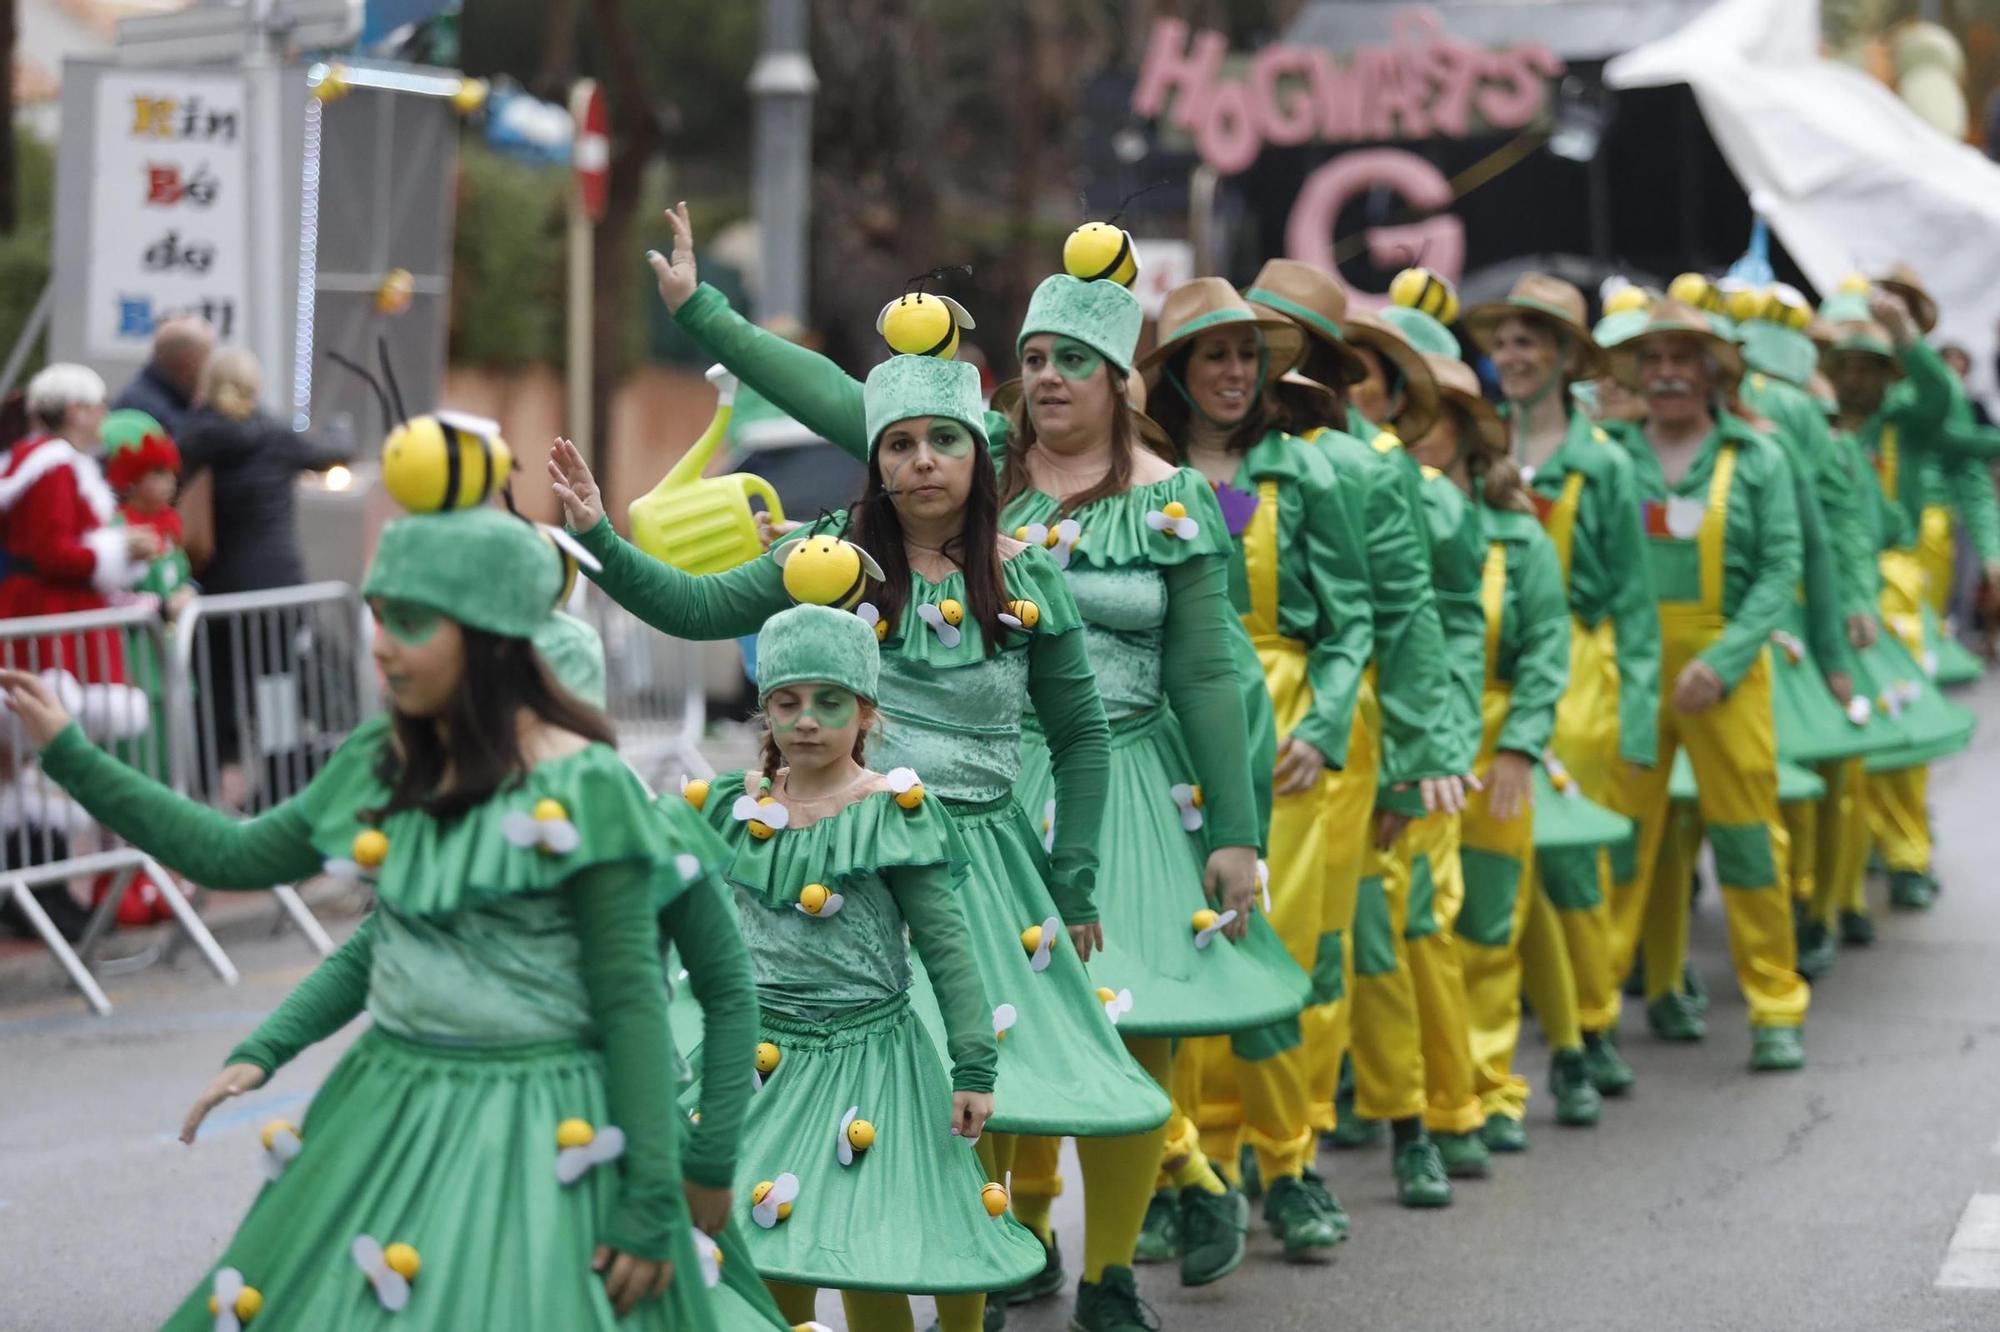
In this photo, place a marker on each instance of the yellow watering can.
(701, 524)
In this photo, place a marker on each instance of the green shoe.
(1335, 1213)
(1112, 1304)
(1635, 979)
(1299, 1217)
(1044, 1283)
(1857, 928)
(1350, 1131)
(1215, 1230)
(1464, 1154)
(994, 1319)
(1673, 1017)
(1693, 987)
(1578, 1104)
(1160, 1235)
(1911, 890)
(1608, 1071)
(1816, 950)
(1504, 1133)
(1776, 1049)
(1420, 1177)
(1249, 1175)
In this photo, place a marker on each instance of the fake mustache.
(1667, 385)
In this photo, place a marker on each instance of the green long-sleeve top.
(1851, 500)
(1761, 558)
(1458, 562)
(1322, 587)
(718, 972)
(1967, 474)
(1411, 681)
(1531, 649)
(1799, 428)
(1198, 668)
(1610, 576)
(1060, 684)
(501, 934)
(1909, 424)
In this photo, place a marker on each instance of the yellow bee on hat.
(1698, 290)
(439, 461)
(1099, 251)
(922, 323)
(1418, 288)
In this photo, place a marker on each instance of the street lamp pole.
(782, 84)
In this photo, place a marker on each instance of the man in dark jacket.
(166, 386)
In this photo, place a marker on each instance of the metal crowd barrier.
(110, 669)
(654, 691)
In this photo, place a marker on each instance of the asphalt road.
(1840, 1197)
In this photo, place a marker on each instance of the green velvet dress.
(512, 975)
(904, 1213)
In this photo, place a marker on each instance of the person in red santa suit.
(65, 550)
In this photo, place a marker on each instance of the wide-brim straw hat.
(1671, 316)
(1313, 299)
(1865, 336)
(1151, 433)
(1903, 280)
(1420, 386)
(1210, 303)
(1319, 401)
(1458, 386)
(1547, 299)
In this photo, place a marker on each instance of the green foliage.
(507, 265)
(27, 255)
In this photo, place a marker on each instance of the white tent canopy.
(1849, 177)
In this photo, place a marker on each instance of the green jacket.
(1761, 558)
(1916, 407)
(1967, 474)
(1532, 648)
(1411, 680)
(1609, 574)
(1322, 582)
(1458, 565)
(1800, 429)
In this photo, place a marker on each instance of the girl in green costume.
(855, 1182)
(1157, 623)
(512, 975)
(1298, 577)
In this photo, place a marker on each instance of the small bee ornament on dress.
(1172, 518)
(231, 1302)
(819, 901)
(281, 1145)
(708, 1255)
(855, 1137)
(771, 1201)
(1039, 940)
(547, 829)
(1208, 924)
(944, 619)
(579, 1147)
(1005, 1016)
(1188, 796)
(363, 859)
(1116, 1004)
(762, 812)
(389, 1270)
(1060, 540)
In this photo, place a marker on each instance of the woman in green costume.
(499, 1149)
(857, 1149)
(1157, 624)
(1299, 579)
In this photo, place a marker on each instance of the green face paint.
(409, 624)
(829, 705)
(1076, 360)
(949, 439)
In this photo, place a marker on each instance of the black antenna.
(389, 374)
(1126, 202)
(938, 275)
(388, 418)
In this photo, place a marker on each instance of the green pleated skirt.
(1149, 886)
(1063, 1070)
(1931, 726)
(1794, 782)
(1567, 819)
(906, 1214)
(1812, 726)
(452, 1151)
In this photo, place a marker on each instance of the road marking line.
(1972, 1259)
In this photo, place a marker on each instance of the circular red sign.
(590, 152)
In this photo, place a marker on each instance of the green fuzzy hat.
(1621, 327)
(1779, 352)
(1724, 326)
(1101, 315)
(483, 568)
(1424, 333)
(574, 654)
(1847, 307)
(811, 642)
(903, 387)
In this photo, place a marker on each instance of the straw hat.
(1548, 299)
(1865, 336)
(1420, 388)
(1196, 307)
(1903, 281)
(1319, 401)
(1313, 299)
(1151, 433)
(1671, 316)
(1459, 387)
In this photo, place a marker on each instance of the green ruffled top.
(1609, 573)
(888, 866)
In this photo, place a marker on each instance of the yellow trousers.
(1937, 554)
(1427, 857)
(1498, 859)
(1843, 840)
(1898, 818)
(1577, 881)
(1387, 1035)
(1732, 747)
(1348, 838)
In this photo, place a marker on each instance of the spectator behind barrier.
(165, 388)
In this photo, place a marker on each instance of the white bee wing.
(765, 1213)
(1049, 827)
(774, 815)
(709, 1254)
(756, 1080)
(340, 868)
(1183, 795)
(271, 1166)
(958, 314)
(367, 1254)
(1264, 884)
(571, 1163)
(1187, 529)
(1118, 1005)
(573, 548)
(560, 836)
(1040, 961)
(1036, 534)
(687, 867)
(1206, 937)
(1930, 663)
(950, 634)
(868, 565)
(834, 902)
(1157, 521)
(1011, 621)
(285, 1144)
(1859, 709)
(901, 779)
(869, 615)
(1068, 530)
(1224, 919)
(467, 422)
(745, 809)
(843, 1150)
(608, 1145)
(930, 615)
(228, 1285)
(392, 1288)
(1004, 1018)
(520, 829)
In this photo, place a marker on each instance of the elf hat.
(135, 444)
(817, 643)
(1100, 314)
(483, 568)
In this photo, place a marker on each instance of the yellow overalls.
(1501, 893)
(1269, 1099)
(1566, 950)
(1896, 801)
(1733, 749)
